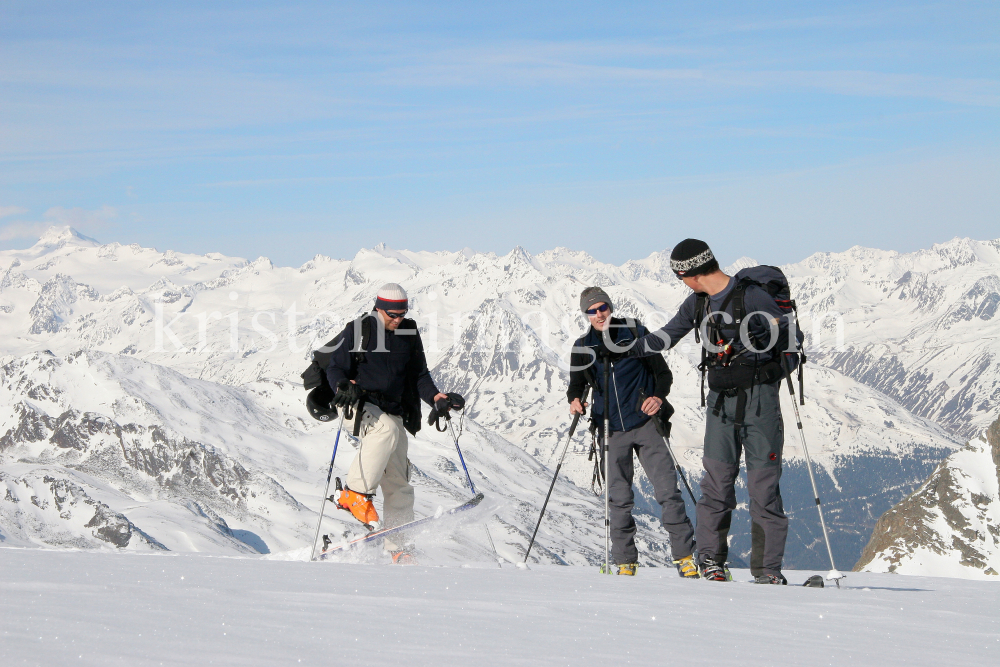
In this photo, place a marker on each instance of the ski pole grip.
(576, 418)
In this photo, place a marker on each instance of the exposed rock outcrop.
(948, 526)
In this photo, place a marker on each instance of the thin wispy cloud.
(517, 65)
(22, 230)
(6, 211)
(78, 218)
(249, 124)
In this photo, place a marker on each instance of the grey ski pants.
(655, 459)
(761, 439)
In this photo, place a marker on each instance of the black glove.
(451, 401)
(347, 395)
(455, 401)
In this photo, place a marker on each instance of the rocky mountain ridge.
(949, 526)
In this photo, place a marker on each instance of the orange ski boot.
(403, 557)
(358, 504)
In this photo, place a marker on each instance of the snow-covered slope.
(147, 610)
(106, 450)
(497, 328)
(950, 526)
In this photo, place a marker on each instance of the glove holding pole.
(351, 399)
(347, 394)
(562, 457)
(442, 408)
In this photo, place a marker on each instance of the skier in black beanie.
(743, 413)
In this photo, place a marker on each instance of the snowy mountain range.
(151, 399)
(919, 327)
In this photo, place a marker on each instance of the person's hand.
(445, 402)
(577, 408)
(347, 394)
(652, 405)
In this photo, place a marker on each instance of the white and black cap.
(692, 257)
(392, 297)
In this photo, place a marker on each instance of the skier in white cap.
(379, 366)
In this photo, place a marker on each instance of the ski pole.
(834, 573)
(677, 464)
(607, 461)
(461, 458)
(329, 476)
(664, 431)
(572, 429)
(468, 478)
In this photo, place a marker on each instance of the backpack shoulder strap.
(358, 354)
(738, 301)
(588, 373)
(634, 328)
(366, 332)
(700, 310)
(700, 306)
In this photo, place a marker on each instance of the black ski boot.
(777, 579)
(714, 571)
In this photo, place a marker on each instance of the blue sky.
(287, 129)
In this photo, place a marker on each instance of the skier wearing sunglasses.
(638, 391)
(379, 367)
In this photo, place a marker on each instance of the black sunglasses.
(599, 309)
(395, 316)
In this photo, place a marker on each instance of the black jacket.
(397, 374)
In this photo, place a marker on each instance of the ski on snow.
(344, 546)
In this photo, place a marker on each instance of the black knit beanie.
(692, 257)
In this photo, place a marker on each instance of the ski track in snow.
(92, 608)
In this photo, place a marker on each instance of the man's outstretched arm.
(670, 333)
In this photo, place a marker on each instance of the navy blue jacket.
(628, 376)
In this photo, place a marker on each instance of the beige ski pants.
(381, 461)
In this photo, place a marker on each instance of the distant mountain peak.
(741, 263)
(60, 234)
